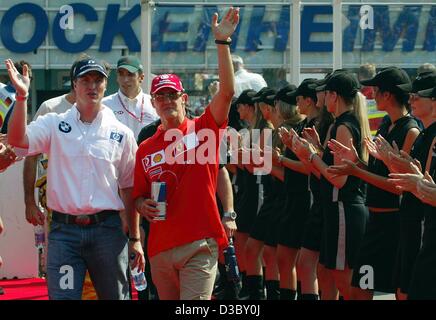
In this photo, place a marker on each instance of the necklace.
(131, 113)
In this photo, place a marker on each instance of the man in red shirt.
(183, 248)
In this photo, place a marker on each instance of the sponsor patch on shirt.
(64, 127)
(190, 141)
(156, 171)
(153, 160)
(116, 136)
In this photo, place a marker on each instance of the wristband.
(226, 42)
(134, 239)
(313, 154)
(21, 98)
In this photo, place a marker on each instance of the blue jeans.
(100, 248)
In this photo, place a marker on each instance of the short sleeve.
(127, 163)
(39, 134)
(141, 185)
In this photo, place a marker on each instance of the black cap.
(245, 97)
(424, 80)
(284, 94)
(318, 85)
(305, 88)
(388, 79)
(257, 94)
(87, 65)
(428, 93)
(267, 97)
(344, 83)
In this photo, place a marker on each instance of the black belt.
(83, 219)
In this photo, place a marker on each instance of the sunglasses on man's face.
(163, 96)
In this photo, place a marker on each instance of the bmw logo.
(64, 127)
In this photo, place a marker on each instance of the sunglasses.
(163, 96)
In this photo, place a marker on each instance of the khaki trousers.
(186, 272)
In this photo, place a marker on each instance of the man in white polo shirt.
(130, 104)
(90, 179)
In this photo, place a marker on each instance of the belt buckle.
(82, 220)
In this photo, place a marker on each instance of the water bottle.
(39, 236)
(231, 263)
(138, 277)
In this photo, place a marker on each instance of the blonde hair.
(291, 116)
(360, 110)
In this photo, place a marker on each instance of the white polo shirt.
(248, 80)
(88, 162)
(135, 113)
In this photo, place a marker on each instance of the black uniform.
(423, 283)
(314, 225)
(344, 211)
(249, 199)
(412, 217)
(380, 243)
(296, 211)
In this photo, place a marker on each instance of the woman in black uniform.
(342, 197)
(261, 240)
(423, 281)
(412, 208)
(250, 193)
(380, 244)
(292, 224)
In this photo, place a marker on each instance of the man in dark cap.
(90, 180)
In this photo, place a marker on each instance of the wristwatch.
(231, 214)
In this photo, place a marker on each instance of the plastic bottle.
(231, 263)
(138, 277)
(39, 236)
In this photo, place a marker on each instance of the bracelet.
(134, 239)
(226, 42)
(21, 98)
(313, 154)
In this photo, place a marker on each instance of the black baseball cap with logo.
(267, 96)
(130, 63)
(344, 83)
(424, 80)
(87, 65)
(245, 98)
(428, 93)
(388, 79)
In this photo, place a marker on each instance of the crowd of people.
(337, 213)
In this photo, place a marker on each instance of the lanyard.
(132, 114)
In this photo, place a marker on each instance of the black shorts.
(409, 245)
(423, 281)
(344, 227)
(379, 251)
(261, 225)
(246, 214)
(313, 230)
(293, 220)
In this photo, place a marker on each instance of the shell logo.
(157, 158)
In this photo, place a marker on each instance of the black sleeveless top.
(314, 182)
(354, 189)
(410, 205)
(296, 181)
(376, 197)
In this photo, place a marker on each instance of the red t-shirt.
(192, 213)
